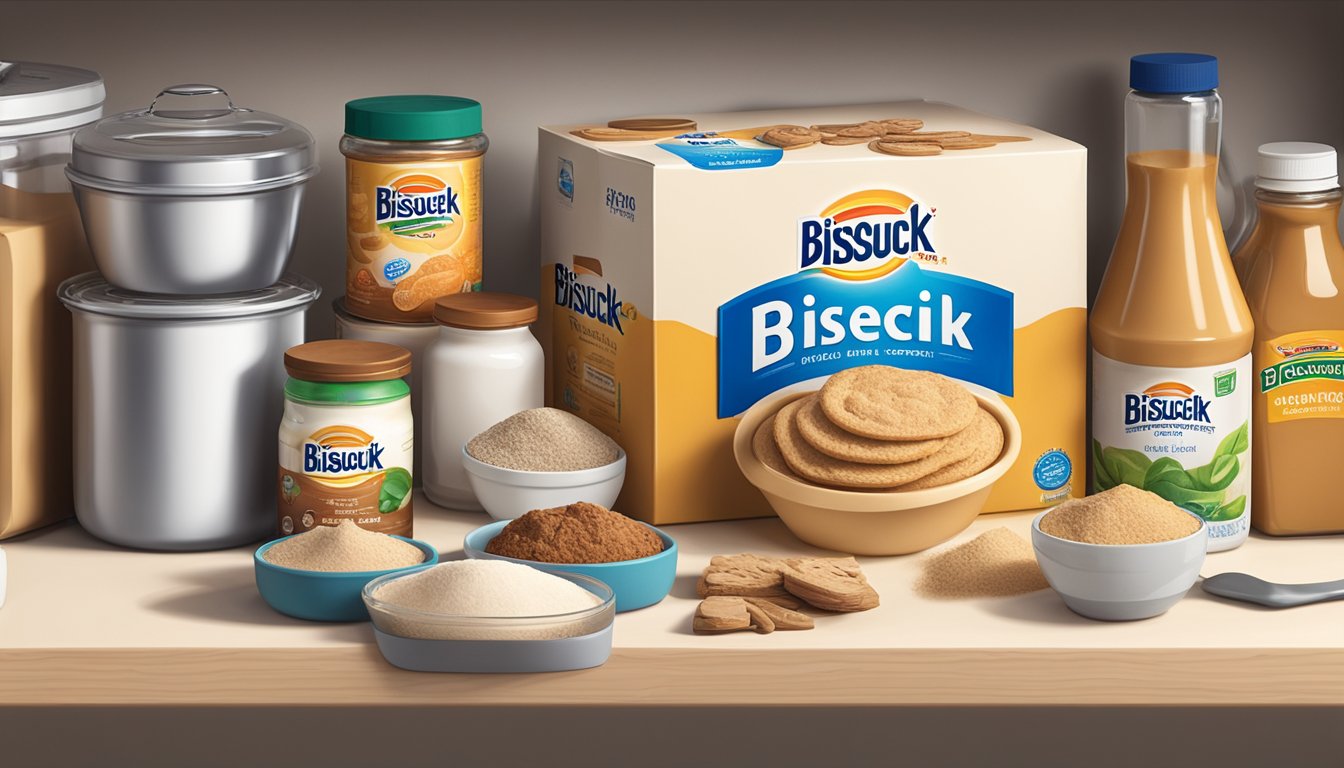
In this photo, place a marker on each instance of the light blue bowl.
(636, 583)
(322, 595)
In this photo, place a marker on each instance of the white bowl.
(510, 493)
(1120, 582)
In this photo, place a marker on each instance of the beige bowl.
(873, 522)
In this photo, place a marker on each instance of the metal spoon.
(1247, 588)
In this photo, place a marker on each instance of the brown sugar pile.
(1121, 515)
(997, 563)
(579, 533)
(343, 547)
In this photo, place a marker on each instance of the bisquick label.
(859, 297)
(1182, 433)
(413, 235)
(342, 472)
(1301, 376)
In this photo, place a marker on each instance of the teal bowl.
(322, 595)
(636, 583)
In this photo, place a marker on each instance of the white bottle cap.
(1296, 166)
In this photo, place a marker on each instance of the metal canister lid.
(42, 98)
(89, 292)
(485, 311)
(347, 360)
(191, 139)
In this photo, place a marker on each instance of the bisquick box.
(685, 278)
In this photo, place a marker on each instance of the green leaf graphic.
(1217, 474)
(1229, 511)
(395, 490)
(1101, 476)
(1126, 466)
(1235, 443)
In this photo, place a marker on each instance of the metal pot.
(175, 407)
(191, 197)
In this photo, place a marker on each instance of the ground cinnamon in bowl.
(577, 533)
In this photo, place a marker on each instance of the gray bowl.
(190, 244)
(496, 656)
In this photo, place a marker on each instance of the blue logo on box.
(564, 180)
(395, 268)
(815, 324)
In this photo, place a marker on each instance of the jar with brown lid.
(484, 367)
(413, 210)
(346, 437)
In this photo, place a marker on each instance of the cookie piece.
(906, 149)
(761, 623)
(791, 136)
(722, 614)
(899, 125)
(842, 141)
(783, 618)
(837, 443)
(831, 584)
(887, 403)
(742, 575)
(785, 601)
(865, 130)
(936, 137)
(763, 445)
(817, 467)
(988, 439)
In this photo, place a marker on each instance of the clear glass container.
(402, 621)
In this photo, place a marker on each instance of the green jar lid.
(413, 118)
(346, 393)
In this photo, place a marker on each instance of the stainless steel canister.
(191, 195)
(175, 406)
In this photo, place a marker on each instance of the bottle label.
(1182, 433)
(1301, 376)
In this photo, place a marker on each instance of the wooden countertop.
(91, 624)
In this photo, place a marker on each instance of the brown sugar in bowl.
(873, 522)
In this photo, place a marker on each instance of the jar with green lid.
(346, 437)
(413, 203)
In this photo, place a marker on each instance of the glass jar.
(346, 437)
(413, 203)
(484, 367)
(41, 108)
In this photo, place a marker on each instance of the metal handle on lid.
(191, 90)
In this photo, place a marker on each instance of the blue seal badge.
(1052, 470)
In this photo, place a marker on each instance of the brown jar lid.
(342, 360)
(485, 311)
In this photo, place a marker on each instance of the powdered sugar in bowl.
(542, 458)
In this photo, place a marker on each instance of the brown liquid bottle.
(1171, 332)
(1293, 271)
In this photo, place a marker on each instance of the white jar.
(484, 367)
(417, 337)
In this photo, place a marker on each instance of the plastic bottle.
(1171, 331)
(1293, 267)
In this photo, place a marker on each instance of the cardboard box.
(687, 277)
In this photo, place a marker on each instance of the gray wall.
(1060, 66)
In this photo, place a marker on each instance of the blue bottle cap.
(1173, 72)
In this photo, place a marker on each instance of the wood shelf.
(88, 624)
